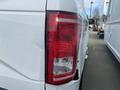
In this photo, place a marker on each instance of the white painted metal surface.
(11, 80)
(62, 5)
(23, 5)
(112, 30)
(22, 50)
(73, 85)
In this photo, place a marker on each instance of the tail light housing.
(62, 40)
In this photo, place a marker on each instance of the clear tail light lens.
(62, 40)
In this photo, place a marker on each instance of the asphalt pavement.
(102, 70)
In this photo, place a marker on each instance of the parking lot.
(102, 70)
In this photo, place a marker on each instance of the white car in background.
(43, 44)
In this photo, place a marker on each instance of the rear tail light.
(62, 39)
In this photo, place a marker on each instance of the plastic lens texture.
(62, 35)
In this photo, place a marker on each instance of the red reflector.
(62, 39)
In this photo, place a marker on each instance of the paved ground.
(102, 71)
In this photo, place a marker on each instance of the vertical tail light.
(62, 40)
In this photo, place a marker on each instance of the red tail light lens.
(62, 38)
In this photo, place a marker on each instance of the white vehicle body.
(22, 43)
(112, 28)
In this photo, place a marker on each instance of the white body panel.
(22, 5)
(83, 46)
(11, 80)
(22, 50)
(22, 43)
(73, 85)
(62, 5)
(112, 30)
